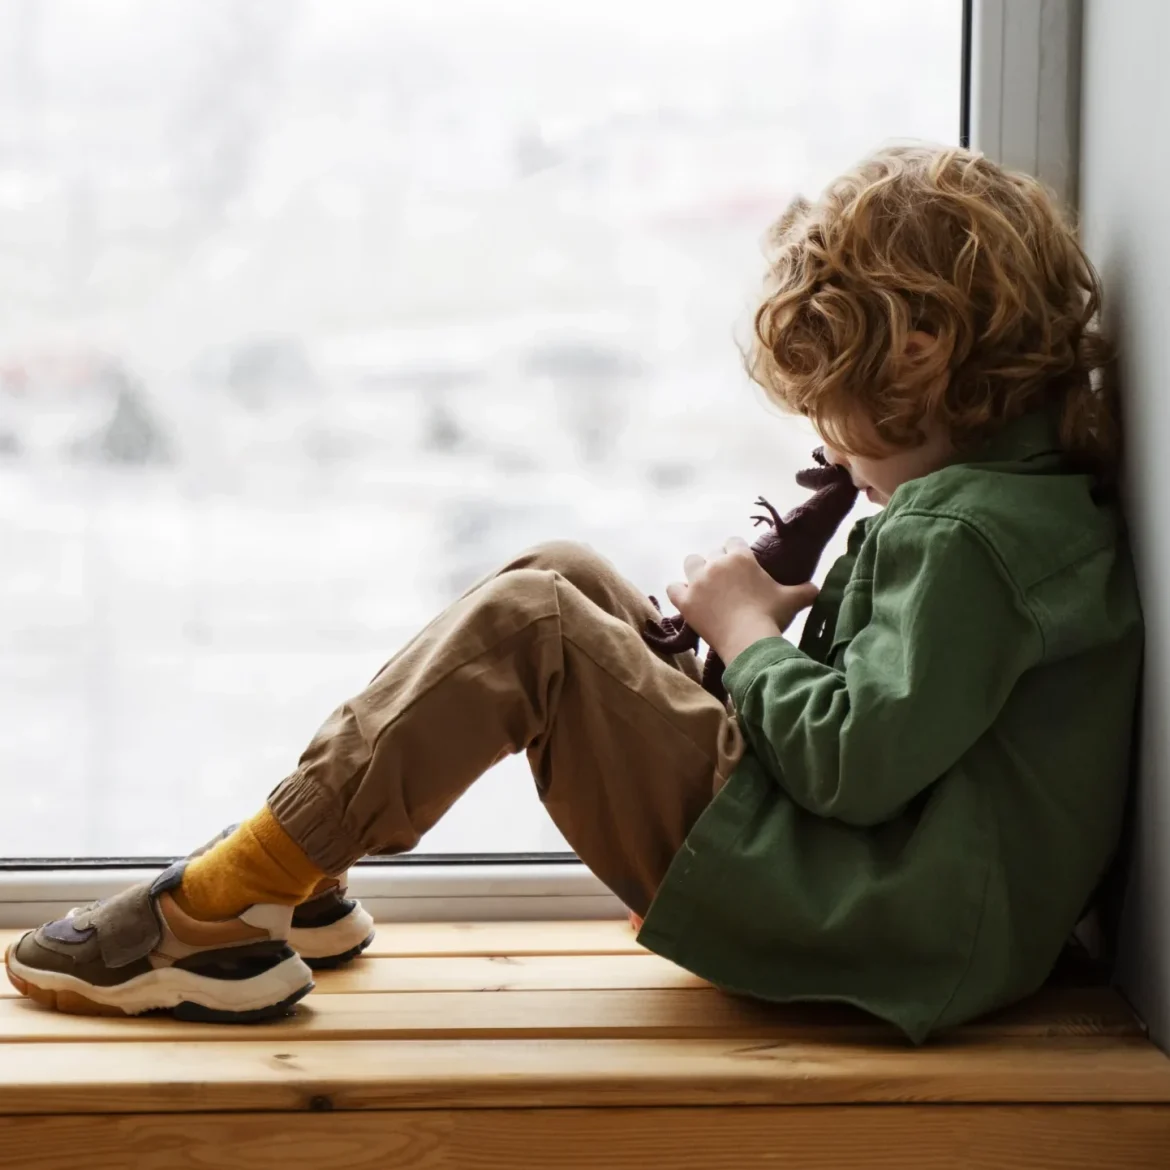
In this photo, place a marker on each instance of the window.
(311, 313)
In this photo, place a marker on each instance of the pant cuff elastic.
(312, 819)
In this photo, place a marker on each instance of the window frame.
(1019, 104)
(420, 889)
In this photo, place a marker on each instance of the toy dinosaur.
(788, 551)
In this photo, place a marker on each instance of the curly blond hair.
(945, 242)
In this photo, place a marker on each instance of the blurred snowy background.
(313, 311)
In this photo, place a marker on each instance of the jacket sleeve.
(948, 637)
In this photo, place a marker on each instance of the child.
(908, 813)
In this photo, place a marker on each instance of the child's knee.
(524, 594)
(577, 563)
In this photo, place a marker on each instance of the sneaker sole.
(330, 962)
(196, 1013)
(337, 943)
(184, 994)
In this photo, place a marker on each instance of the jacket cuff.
(752, 662)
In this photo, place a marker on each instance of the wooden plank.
(422, 940)
(932, 1138)
(498, 973)
(294, 1075)
(1093, 1008)
(432, 939)
(588, 1014)
(508, 973)
(698, 1013)
(400, 941)
(429, 939)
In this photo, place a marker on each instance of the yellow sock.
(259, 862)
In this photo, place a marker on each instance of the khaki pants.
(545, 656)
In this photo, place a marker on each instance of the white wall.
(1125, 209)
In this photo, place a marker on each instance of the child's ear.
(926, 361)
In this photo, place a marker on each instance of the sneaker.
(328, 929)
(139, 952)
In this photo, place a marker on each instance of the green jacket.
(934, 781)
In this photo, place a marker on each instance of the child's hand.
(732, 602)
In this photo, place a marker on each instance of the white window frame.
(1024, 60)
(1025, 87)
(406, 893)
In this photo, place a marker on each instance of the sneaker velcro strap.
(126, 924)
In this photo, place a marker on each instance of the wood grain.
(265, 1074)
(432, 939)
(517, 1044)
(938, 1138)
(428, 939)
(587, 1014)
(695, 1013)
(400, 942)
(508, 973)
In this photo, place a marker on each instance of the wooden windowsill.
(529, 1044)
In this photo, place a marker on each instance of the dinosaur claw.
(773, 517)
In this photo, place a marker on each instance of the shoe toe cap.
(39, 950)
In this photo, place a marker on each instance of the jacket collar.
(1033, 438)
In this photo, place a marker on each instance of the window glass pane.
(311, 313)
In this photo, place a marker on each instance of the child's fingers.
(801, 596)
(677, 593)
(692, 565)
